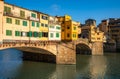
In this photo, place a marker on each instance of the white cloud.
(55, 7)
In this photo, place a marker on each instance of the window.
(33, 23)
(17, 22)
(33, 15)
(51, 26)
(58, 27)
(8, 33)
(74, 28)
(42, 24)
(7, 9)
(46, 25)
(68, 35)
(51, 35)
(9, 20)
(17, 33)
(97, 33)
(29, 34)
(68, 27)
(98, 38)
(44, 17)
(40, 34)
(22, 14)
(45, 34)
(24, 23)
(24, 34)
(37, 24)
(57, 35)
(74, 35)
(35, 34)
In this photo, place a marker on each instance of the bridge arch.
(36, 53)
(82, 48)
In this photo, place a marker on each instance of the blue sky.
(80, 10)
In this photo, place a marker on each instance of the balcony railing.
(14, 14)
(32, 18)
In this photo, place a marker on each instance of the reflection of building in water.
(65, 71)
(97, 67)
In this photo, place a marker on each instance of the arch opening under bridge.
(34, 54)
(84, 49)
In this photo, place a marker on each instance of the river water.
(87, 67)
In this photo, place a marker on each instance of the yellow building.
(44, 26)
(96, 35)
(18, 24)
(90, 31)
(69, 28)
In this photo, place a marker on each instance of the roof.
(25, 8)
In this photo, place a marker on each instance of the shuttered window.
(8, 33)
(51, 35)
(33, 23)
(17, 33)
(33, 15)
(57, 35)
(40, 34)
(37, 24)
(9, 20)
(24, 23)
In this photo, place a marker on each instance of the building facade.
(111, 27)
(54, 29)
(91, 32)
(19, 24)
(44, 29)
(69, 28)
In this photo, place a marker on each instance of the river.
(87, 67)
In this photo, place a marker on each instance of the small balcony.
(14, 14)
(8, 14)
(32, 18)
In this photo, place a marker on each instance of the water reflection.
(66, 71)
(97, 66)
(87, 67)
(10, 63)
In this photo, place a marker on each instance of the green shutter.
(33, 15)
(17, 33)
(35, 34)
(37, 24)
(24, 23)
(8, 20)
(22, 14)
(51, 35)
(40, 34)
(7, 9)
(33, 23)
(58, 27)
(30, 34)
(8, 33)
(17, 22)
(57, 35)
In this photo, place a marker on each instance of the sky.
(80, 10)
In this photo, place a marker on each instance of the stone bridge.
(63, 52)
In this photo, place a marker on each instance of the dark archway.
(83, 49)
(33, 54)
(37, 54)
